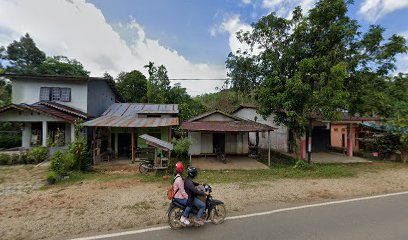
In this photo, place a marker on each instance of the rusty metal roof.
(226, 126)
(132, 109)
(155, 142)
(60, 112)
(130, 121)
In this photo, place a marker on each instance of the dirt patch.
(61, 212)
(21, 179)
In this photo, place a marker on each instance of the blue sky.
(191, 38)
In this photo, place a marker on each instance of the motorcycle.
(214, 210)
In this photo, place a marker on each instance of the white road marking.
(246, 215)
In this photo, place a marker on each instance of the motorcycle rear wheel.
(218, 214)
(174, 218)
(143, 168)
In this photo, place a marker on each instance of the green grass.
(276, 171)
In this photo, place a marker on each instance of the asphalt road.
(384, 218)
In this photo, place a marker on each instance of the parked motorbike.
(214, 210)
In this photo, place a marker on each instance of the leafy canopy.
(318, 63)
(24, 57)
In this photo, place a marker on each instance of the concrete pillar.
(269, 148)
(26, 138)
(67, 136)
(116, 144)
(72, 132)
(350, 140)
(303, 147)
(44, 133)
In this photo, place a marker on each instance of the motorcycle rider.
(193, 192)
(180, 194)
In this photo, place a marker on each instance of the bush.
(10, 140)
(4, 159)
(62, 163)
(300, 164)
(181, 146)
(80, 154)
(37, 154)
(14, 159)
(23, 158)
(52, 177)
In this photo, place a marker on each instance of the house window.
(66, 94)
(55, 94)
(336, 129)
(45, 94)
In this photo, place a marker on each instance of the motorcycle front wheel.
(218, 214)
(174, 218)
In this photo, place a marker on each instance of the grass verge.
(276, 171)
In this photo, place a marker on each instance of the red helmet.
(179, 167)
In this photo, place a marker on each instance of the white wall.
(195, 148)
(26, 116)
(216, 117)
(28, 91)
(279, 137)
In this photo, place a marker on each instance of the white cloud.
(373, 10)
(246, 1)
(79, 30)
(285, 8)
(232, 25)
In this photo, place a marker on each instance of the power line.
(197, 79)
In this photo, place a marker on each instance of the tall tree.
(61, 65)
(158, 85)
(23, 56)
(132, 86)
(313, 64)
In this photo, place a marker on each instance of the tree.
(158, 84)
(23, 56)
(61, 65)
(314, 64)
(132, 86)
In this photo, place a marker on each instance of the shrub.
(37, 154)
(14, 159)
(80, 154)
(52, 177)
(300, 164)
(10, 140)
(62, 163)
(181, 146)
(4, 159)
(23, 158)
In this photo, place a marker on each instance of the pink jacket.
(179, 184)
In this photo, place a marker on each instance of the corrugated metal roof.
(226, 126)
(155, 142)
(132, 109)
(131, 121)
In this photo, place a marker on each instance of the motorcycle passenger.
(193, 192)
(180, 194)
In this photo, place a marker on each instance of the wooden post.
(94, 145)
(269, 148)
(133, 146)
(136, 142)
(350, 140)
(169, 137)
